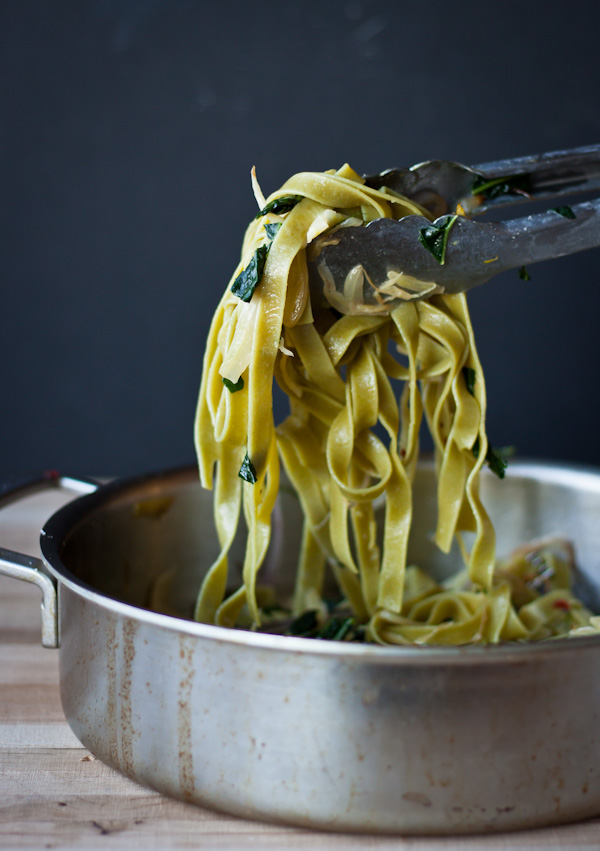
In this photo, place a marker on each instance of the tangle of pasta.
(348, 441)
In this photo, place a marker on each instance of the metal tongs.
(469, 252)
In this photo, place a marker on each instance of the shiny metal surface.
(31, 569)
(28, 568)
(350, 737)
(476, 251)
(550, 175)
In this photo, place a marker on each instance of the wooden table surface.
(54, 794)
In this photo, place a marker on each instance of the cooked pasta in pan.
(360, 376)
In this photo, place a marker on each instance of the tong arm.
(440, 186)
(476, 251)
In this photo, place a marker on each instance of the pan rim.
(63, 521)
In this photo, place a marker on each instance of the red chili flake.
(562, 604)
(51, 475)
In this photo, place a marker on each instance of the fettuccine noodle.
(339, 363)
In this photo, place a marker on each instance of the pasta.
(351, 439)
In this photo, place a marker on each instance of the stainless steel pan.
(339, 737)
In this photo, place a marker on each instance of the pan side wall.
(334, 741)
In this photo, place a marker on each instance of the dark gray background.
(127, 133)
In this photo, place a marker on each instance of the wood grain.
(53, 794)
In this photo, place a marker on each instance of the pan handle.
(29, 568)
(12, 491)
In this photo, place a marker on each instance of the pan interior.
(149, 544)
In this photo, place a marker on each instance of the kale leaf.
(495, 461)
(271, 229)
(435, 238)
(524, 274)
(248, 279)
(234, 387)
(469, 375)
(519, 184)
(565, 211)
(280, 205)
(247, 471)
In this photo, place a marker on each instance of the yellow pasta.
(359, 378)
